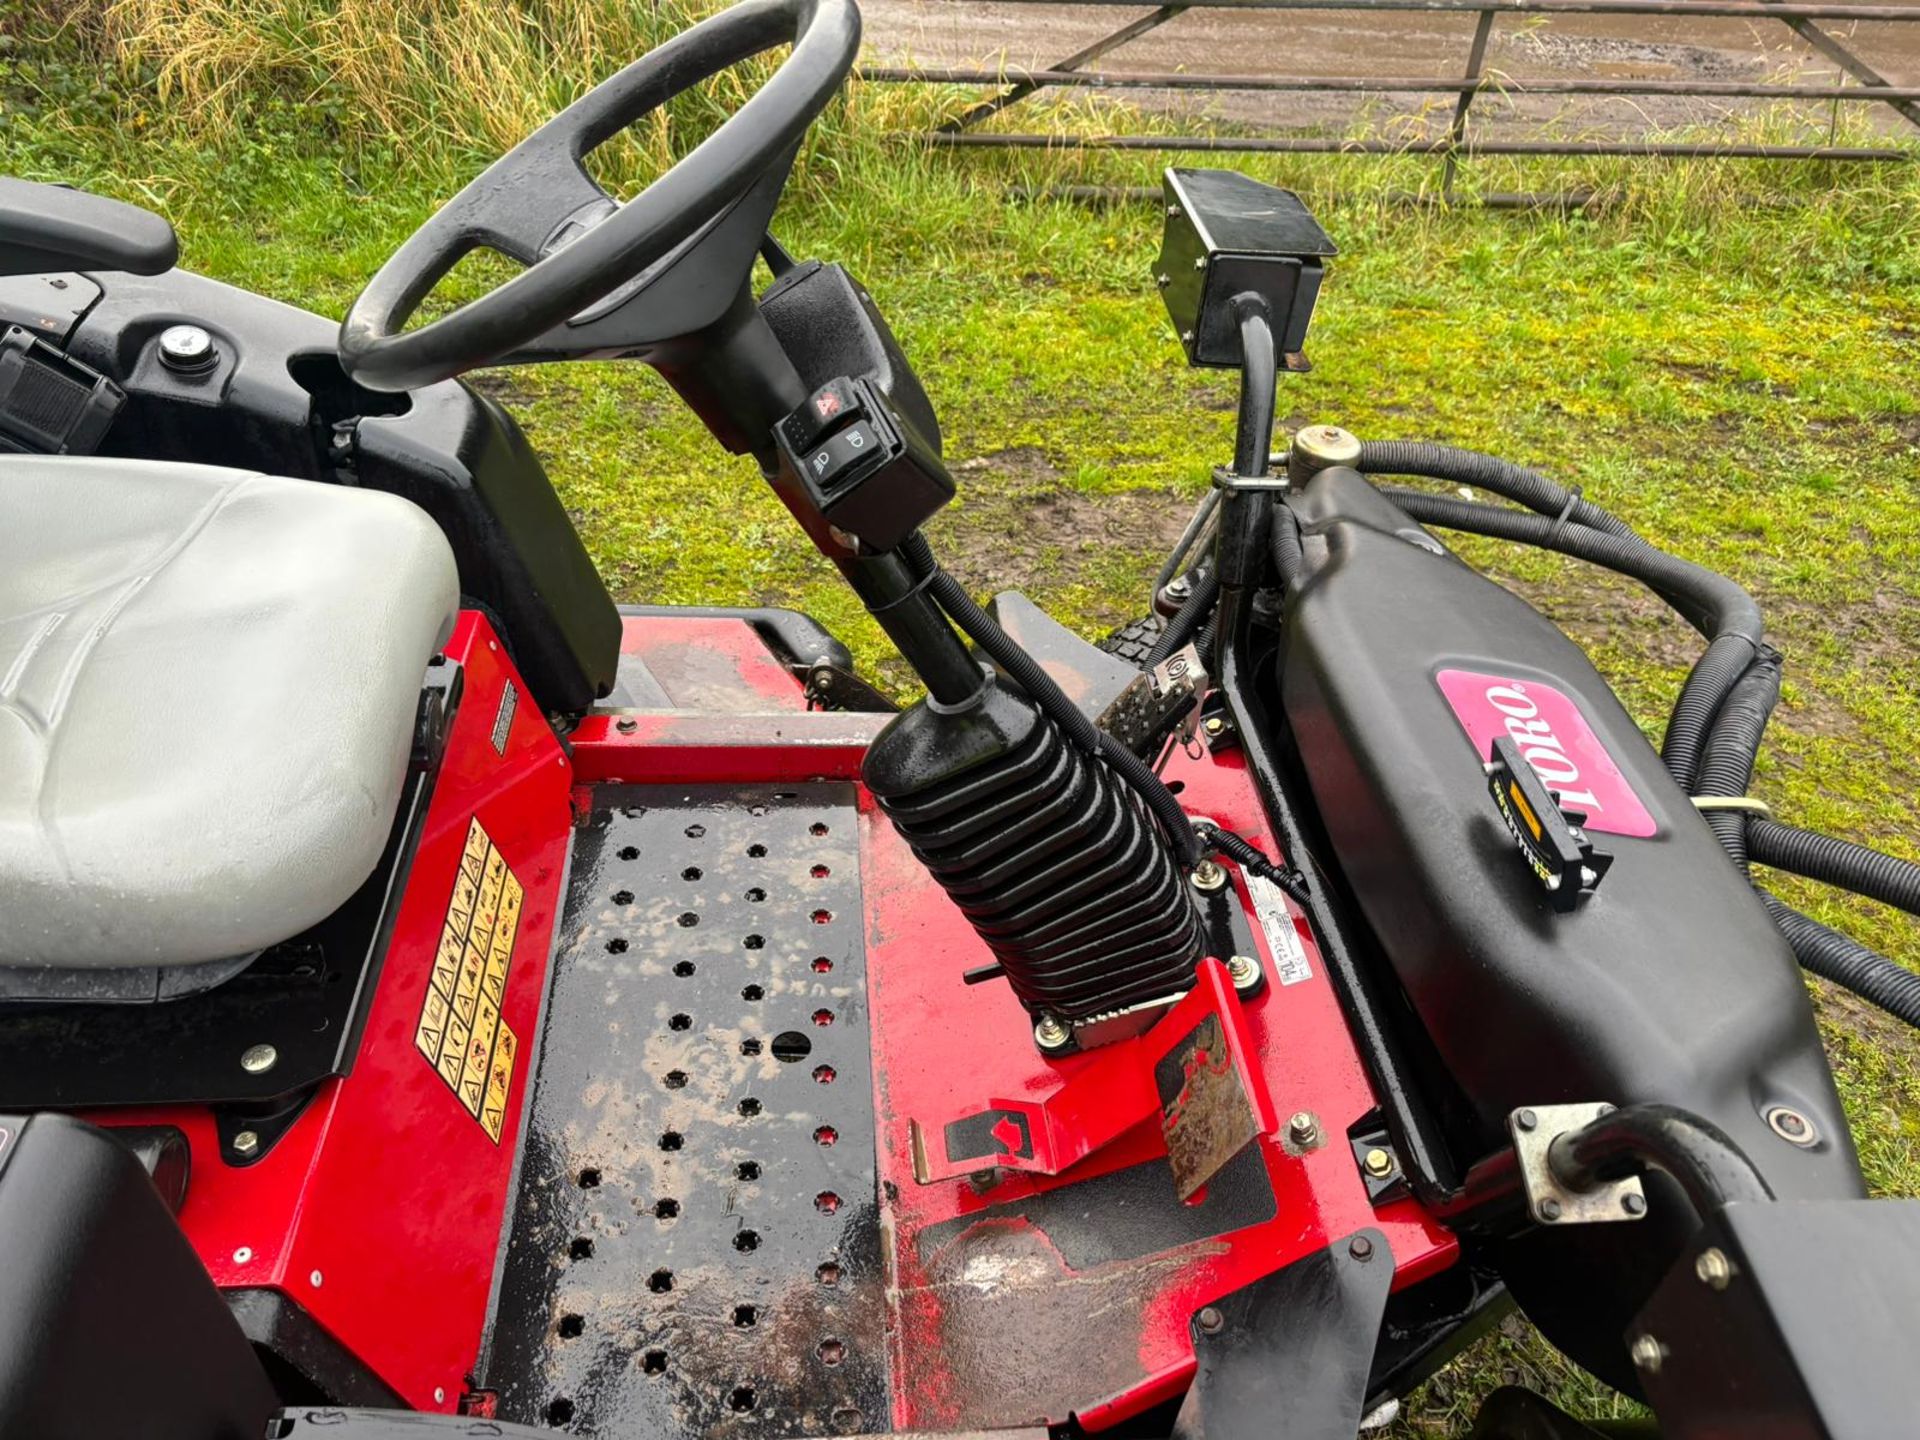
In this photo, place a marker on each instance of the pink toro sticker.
(1555, 739)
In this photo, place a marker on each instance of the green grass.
(1728, 355)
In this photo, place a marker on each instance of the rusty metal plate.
(695, 1248)
(1204, 1110)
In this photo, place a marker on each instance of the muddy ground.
(1327, 43)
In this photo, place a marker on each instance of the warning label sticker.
(461, 1033)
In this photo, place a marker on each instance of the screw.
(1791, 1126)
(1244, 971)
(1360, 1248)
(1051, 1033)
(1209, 876)
(1526, 1120)
(1377, 1163)
(1199, 262)
(243, 1255)
(626, 726)
(1215, 726)
(1549, 1209)
(823, 679)
(1173, 209)
(1179, 588)
(1303, 1129)
(1210, 1320)
(314, 1278)
(439, 1395)
(1163, 280)
(1647, 1353)
(246, 1143)
(1633, 1204)
(259, 1059)
(1714, 1268)
(1186, 337)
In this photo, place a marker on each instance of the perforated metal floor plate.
(695, 1246)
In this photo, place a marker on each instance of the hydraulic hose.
(1848, 963)
(1834, 861)
(1027, 673)
(1187, 620)
(1487, 472)
(1727, 766)
(1711, 603)
(1700, 1157)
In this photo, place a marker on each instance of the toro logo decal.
(1554, 738)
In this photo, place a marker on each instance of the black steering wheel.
(538, 205)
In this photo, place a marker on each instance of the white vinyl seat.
(208, 682)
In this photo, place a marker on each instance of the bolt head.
(1648, 1353)
(1186, 337)
(1714, 1268)
(246, 1143)
(1791, 1126)
(243, 1255)
(1173, 209)
(627, 725)
(1360, 1248)
(1210, 1320)
(1526, 1120)
(1209, 876)
(1549, 1209)
(1214, 725)
(1244, 971)
(259, 1059)
(1303, 1128)
(315, 1278)
(1377, 1163)
(1635, 1205)
(1163, 280)
(1051, 1033)
(1199, 262)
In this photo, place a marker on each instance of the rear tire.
(1135, 640)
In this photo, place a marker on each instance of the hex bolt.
(259, 1059)
(1303, 1129)
(1377, 1163)
(1360, 1248)
(1648, 1353)
(1714, 1268)
(1210, 1320)
(626, 725)
(1209, 876)
(1215, 726)
(1186, 337)
(246, 1143)
(1051, 1033)
(1635, 1205)
(1243, 971)
(1179, 588)
(1199, 262)
(1549, 1209)
(1163, 280)
(1526, 1120)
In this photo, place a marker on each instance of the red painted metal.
(1102, 1100)
(711, 663)
(990, 1323)
(380, 1212)
(672, 747)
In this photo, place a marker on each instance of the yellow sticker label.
(461, 1033)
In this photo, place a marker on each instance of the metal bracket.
(1225, 479)
(1195, 1070)
(1534, 1129)
(1159, 702)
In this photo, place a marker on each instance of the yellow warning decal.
(461, 1033)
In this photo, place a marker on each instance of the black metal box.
(1226, 234)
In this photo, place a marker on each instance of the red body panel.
(381, 1210)
(991, 1324)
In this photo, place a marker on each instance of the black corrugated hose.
(1722, 712)
(1025, 671)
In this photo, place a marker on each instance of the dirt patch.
(1023, 527)
(1887, 1036)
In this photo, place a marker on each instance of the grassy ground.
(1728, 356)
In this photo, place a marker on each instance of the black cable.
(1711, 603)
(1187, 619)
(1487, 472)
(1726, 767)
(1248, 856)
(1846, 962)
(1045, 692)
(1834, 861)
(1289, 558)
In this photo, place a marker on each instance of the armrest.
(50, 227)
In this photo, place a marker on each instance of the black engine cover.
(1667, 983)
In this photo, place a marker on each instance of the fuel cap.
(187, 349)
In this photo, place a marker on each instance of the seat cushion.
(208, 681)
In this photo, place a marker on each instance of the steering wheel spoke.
(538, 205)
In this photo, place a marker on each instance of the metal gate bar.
(1800, 16)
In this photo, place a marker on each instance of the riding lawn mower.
(435, 1000)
